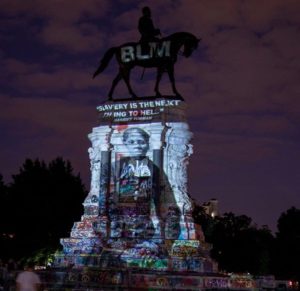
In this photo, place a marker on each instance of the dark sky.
(242, 87)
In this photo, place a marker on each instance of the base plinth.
(138, 213)
(97, 279)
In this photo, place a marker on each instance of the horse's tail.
(105, 61)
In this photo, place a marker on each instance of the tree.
(43, 203)
(206, 221)
(287, 251)
(238, 246)
(3, 212)
(3, 197)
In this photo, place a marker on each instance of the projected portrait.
(142, 208)
(135, 177)
(134, 181)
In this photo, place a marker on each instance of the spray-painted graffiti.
(138, 214)
(185, 248)
(216, 282)
(165, 281)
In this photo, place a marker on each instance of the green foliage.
(41, 257)
(41, 205)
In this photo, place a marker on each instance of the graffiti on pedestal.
(138, 222)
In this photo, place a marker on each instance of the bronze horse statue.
(161, 54)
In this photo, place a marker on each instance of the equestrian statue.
(150, 52)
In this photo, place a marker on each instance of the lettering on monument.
(149, 53)
(156, 50)
(138, 213)
(136, 110)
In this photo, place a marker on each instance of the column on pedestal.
(95, 205)
(177, 151)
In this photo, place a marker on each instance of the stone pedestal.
(138, 212)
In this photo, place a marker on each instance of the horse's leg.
(126, 76)
(172, 79)
(114, 84)
(158, 78)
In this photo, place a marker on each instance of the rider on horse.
(146, 28)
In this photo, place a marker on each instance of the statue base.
(97, 279)
(138, 213)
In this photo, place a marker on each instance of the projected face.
(136, 141)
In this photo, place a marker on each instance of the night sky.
(242, 87)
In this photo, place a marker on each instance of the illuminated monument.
(138, 213)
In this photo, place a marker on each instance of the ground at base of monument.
(130, 279)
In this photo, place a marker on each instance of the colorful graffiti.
(137, 214)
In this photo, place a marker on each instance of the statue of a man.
(146, 28)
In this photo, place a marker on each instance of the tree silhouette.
(238, 246)
(43, 202)
(3, 199)
(287, 250)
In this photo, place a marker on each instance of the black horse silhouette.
(161, 54)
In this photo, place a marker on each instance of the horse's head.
(190, 44)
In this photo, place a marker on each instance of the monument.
(138, 214)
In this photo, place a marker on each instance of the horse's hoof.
(134, 96)
(109, 98)
(158, 95)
